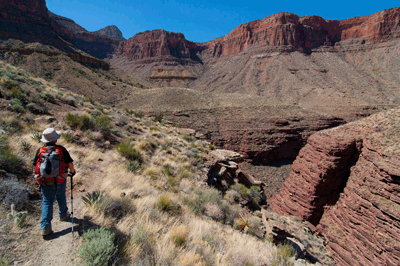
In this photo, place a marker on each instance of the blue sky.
(200, 21)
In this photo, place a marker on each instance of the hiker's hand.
(71, 174)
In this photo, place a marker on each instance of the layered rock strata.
(346, 181)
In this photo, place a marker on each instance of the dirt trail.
(58, 249)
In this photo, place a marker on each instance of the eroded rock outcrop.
(346, 181)
(31, 22)
(158, 43)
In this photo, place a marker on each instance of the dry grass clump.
(179, 235)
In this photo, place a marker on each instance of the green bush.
(158, 117)
(17, 106)
(72, 120)
(48, 97)
(103, 123)
(83, 122)
(68, 137)
(255, 194)
(87, 123)
(187, 138)
(242, 190)
(138, 114)
(128, 150)
(98, 247)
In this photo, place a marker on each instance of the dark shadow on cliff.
(327, 193)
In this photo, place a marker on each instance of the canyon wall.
(346, 181)
(289, 32)
(31, 22)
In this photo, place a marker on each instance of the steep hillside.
(346, 182)
(98, 44)
(140, 190)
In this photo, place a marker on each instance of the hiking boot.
(46, 232)
(65, 217)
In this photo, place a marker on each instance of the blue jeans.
(49, 193)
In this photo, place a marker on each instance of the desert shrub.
(98, 247)
(211, 147)
(83, 122)
(283, 255)
(48, 97)
(87, 123)
(138, 114)
(200, 197)
(122, 121)
(68, 137)
(128, 150)
(166, 204)
(256, 227)
(72, 120)
(70, 100)
(90, 99)
(158, 117)
(255, 194)
(179, 235)
(128, 111)
(96, 113)
(16, 106)
(187, 138)
(241, 189)
(103, 123)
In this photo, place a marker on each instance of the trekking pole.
(72, 205)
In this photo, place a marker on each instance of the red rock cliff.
(346, 181)
(291, 31)
(34, 11)
(157, 43)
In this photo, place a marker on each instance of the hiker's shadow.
(80, 225)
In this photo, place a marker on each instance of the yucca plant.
(92, 198)
(26, 147)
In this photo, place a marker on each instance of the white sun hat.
(50, 135)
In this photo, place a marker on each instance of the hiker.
(51, 163)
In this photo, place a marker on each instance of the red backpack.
(50, 165)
